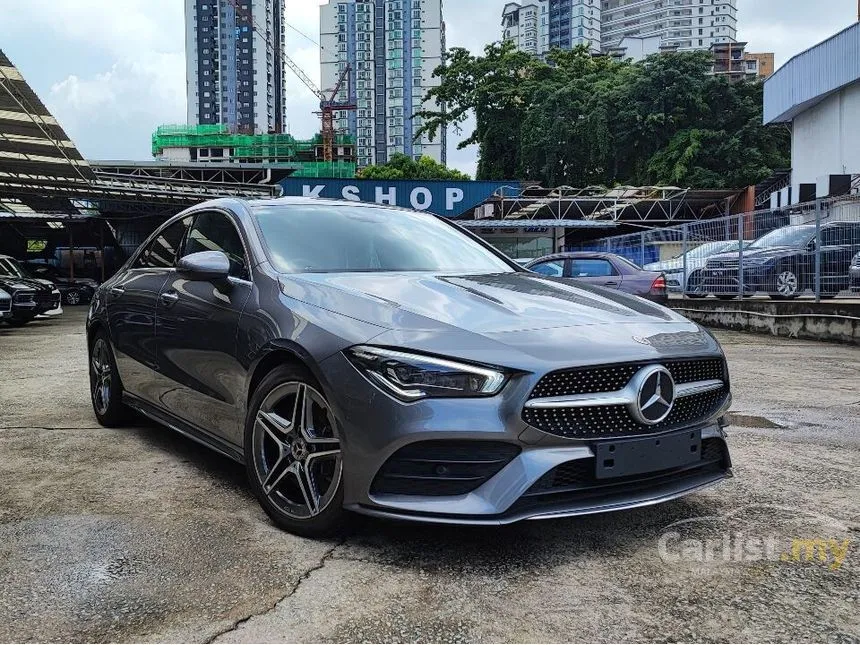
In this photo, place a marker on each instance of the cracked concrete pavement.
(137, 534)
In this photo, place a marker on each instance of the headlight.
(410, 377)
(757, 262)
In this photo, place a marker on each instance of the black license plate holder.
(625, 457)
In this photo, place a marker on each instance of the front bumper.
(727, 281)
(375, 427)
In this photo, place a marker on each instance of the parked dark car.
(782, 262)
(29, 299)
(5, 305)
(854, 274)
(75, 291)
(364, 358)
(604, 270)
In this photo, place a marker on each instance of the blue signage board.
(448, 198)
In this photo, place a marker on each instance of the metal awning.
(31, 140)
(537, 223)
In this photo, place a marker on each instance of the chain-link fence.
(810, 249)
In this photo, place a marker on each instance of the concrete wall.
(826, 137)
(834, 321)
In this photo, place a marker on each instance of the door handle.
(168, 298)
(117, 291)
(611, 284)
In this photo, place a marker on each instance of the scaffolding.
(305, 155)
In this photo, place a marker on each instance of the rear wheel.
(105, 386)
(292, 453)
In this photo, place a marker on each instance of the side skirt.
(192, 432)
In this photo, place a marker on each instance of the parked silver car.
(364, 358)
(677, 280)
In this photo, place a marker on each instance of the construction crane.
(328, 104)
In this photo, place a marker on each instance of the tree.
(580, 120)
(401, 166)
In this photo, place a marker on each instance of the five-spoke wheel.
(293, 453)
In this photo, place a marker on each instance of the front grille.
(5, 304)
(616, 420)
(24, 298)
(723, 264)
(437, 468)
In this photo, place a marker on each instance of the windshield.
(708, 249)
(339, 238)
(791, 236)
(10, 267)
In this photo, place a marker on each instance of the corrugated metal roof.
(812, 75)
(535, 223)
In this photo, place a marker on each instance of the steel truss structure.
(41, 170)
(651, 204)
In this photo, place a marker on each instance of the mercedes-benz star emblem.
(655, 394)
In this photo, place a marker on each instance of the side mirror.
(207, 266)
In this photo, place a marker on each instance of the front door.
(131, 309)
(197, 331)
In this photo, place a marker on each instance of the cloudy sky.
(113, 70)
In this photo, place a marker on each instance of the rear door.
(202, 378)
(596, 271)
(131, 308)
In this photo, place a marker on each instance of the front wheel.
(292, 454)
(787, 285)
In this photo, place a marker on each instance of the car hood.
(553, 319)
(771, 252)
(665, 265)
(26, 283)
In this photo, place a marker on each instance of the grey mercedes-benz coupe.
(365, 358)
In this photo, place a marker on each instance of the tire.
(293, 459)
(72, 297)
(105, 386)
(787, 285)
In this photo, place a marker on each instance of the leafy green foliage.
(401, 166)
(580, 120)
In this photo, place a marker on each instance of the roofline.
(809, 49)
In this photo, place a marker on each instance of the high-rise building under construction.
(234, 58)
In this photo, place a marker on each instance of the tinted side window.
(591, 268)
(161, 252)
(553, 268)
(215, 232)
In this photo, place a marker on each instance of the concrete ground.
(140, 535)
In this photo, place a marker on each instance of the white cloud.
(113, 70)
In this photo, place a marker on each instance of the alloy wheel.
(297, 454)
(101, 378)
(786, 284)
(73, 298)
